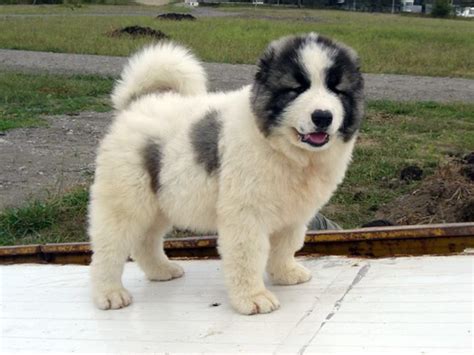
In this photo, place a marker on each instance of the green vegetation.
(441, 8)
(386, 43)
(24, 98)
(393, 136)
(56, 220)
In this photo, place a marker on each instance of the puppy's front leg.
(282, 267)
(244, 250)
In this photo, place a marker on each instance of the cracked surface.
(359, 276)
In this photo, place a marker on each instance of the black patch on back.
(152, 160)
(205, 135)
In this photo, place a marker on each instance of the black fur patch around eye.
(333, 78)
(205, 135)
(345, 80)
(280, 78)
(152, 157)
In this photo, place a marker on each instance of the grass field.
(24, 98)
(386, 43)
(394, 135)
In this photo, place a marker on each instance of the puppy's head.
(310, 90)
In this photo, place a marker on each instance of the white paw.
(291, 275)
(112, 299)
(262, 302)
(165, 272)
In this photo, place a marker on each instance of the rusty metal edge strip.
(196, 247)
(20, 250)
(400, 232)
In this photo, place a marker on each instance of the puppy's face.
(310, 90)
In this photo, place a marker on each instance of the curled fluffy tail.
(160, 67)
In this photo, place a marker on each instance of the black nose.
(321, 118)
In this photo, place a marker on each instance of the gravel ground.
(231, 76)
(37, 162)
(47, 161)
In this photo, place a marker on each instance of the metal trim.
(440, 239)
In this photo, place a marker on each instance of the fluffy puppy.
(254, 164)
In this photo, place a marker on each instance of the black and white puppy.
(254, 164)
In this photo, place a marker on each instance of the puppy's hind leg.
(111, 241)
(116, 224)
(149, 254)
(282, 267)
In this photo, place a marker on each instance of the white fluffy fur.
(266, 192)
(157, 68)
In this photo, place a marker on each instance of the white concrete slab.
(419, 305)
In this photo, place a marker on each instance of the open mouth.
(315, 139)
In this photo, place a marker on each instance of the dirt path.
(36, 162)
(231, 76)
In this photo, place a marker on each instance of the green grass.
(56, 220)
(24, 97)
(386, 43)
(394, 135)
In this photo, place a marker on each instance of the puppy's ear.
(264, 64)
(352, 54)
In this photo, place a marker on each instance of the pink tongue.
(316, 138)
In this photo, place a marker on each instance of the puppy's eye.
(337, 88)
(333, 83)
(333, 79)
(296, 89)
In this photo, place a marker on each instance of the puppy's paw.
(112, 299)
(262, 302)
(293, 274)
(165, 272)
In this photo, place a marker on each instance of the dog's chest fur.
(298, 192)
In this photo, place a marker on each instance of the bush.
(441, 8)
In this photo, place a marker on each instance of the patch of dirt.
(365, 141)
(176, 17)
(447, 196)
(411, 173)
(138, 31)
(48, 161)
(380, 117)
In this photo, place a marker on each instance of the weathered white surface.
(403, 305)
